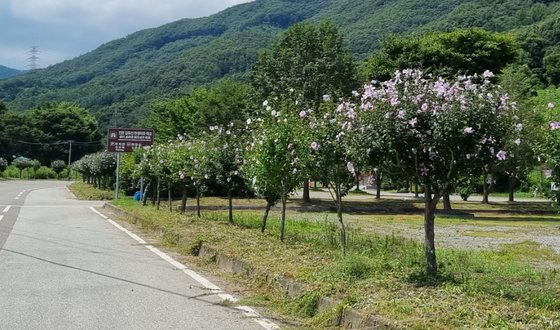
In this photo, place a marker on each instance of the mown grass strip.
(84, 191)
(380, 274)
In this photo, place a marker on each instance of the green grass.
(517, 194)
(84, 191)
(516, 287)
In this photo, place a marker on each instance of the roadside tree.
(274, 157)
(311, 60)
(437, 131)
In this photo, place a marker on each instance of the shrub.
(44, 172)
(22, 163)
(11, 172)
(3, 164)
(58, 166)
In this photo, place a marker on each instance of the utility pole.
(33, 57)
(115, 113)
(70, 152)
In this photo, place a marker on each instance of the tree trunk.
(357, 181)
(169, 200)
(447, 202)
(487, 188)
(306, 197)
(154, 193)
(265, 217)
(230, 207)
(429, 242)
(485, 192)
(511, 187)
(158, 201)
(339, 214)
(184, 199)
(416, 193)
(197, 201)
(283, 218)
(378, 185)
(145, 194)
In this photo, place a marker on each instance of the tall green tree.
(220, 104)
(60, 123)
(309, 59)
(447, 54)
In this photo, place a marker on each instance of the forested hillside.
(125, 76)
(6, 72)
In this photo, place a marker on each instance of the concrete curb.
(348, 318)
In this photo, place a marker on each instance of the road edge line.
(71, 193)
(247, 311)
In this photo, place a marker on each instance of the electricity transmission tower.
(33, 58)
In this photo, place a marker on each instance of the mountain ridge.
(6, 72)
(126, 75)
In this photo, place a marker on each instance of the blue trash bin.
(138, 196)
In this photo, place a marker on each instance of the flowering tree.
(189, 161)
(550, 149)
(151, 167)
(522, 144)
(437, 131)
(331, 132)
(274, 157)
(97, 168)
(173, 159)
(225, 159)
(200, 170)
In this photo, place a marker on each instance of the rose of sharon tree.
(437, 131)
(550, 149)
(274, 158)
(225, 159)
(330, 134)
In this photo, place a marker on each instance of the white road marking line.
(1, 216)
(248, 311)
(6, 209)
(19, 195)
(71, 193)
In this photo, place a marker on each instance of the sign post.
(127, 140)
(118, 175)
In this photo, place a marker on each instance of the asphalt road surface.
(62, 266)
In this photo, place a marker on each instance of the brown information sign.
(129, 139)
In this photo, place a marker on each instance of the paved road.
(64, 267)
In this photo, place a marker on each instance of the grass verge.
(379, 275)
(84, 191)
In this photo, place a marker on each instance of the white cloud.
(101, 13)
(67, 28)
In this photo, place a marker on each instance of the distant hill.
(6, 72)
(128, 74)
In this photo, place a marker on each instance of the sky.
(64, 29)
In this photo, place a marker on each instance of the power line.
(58, 143)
